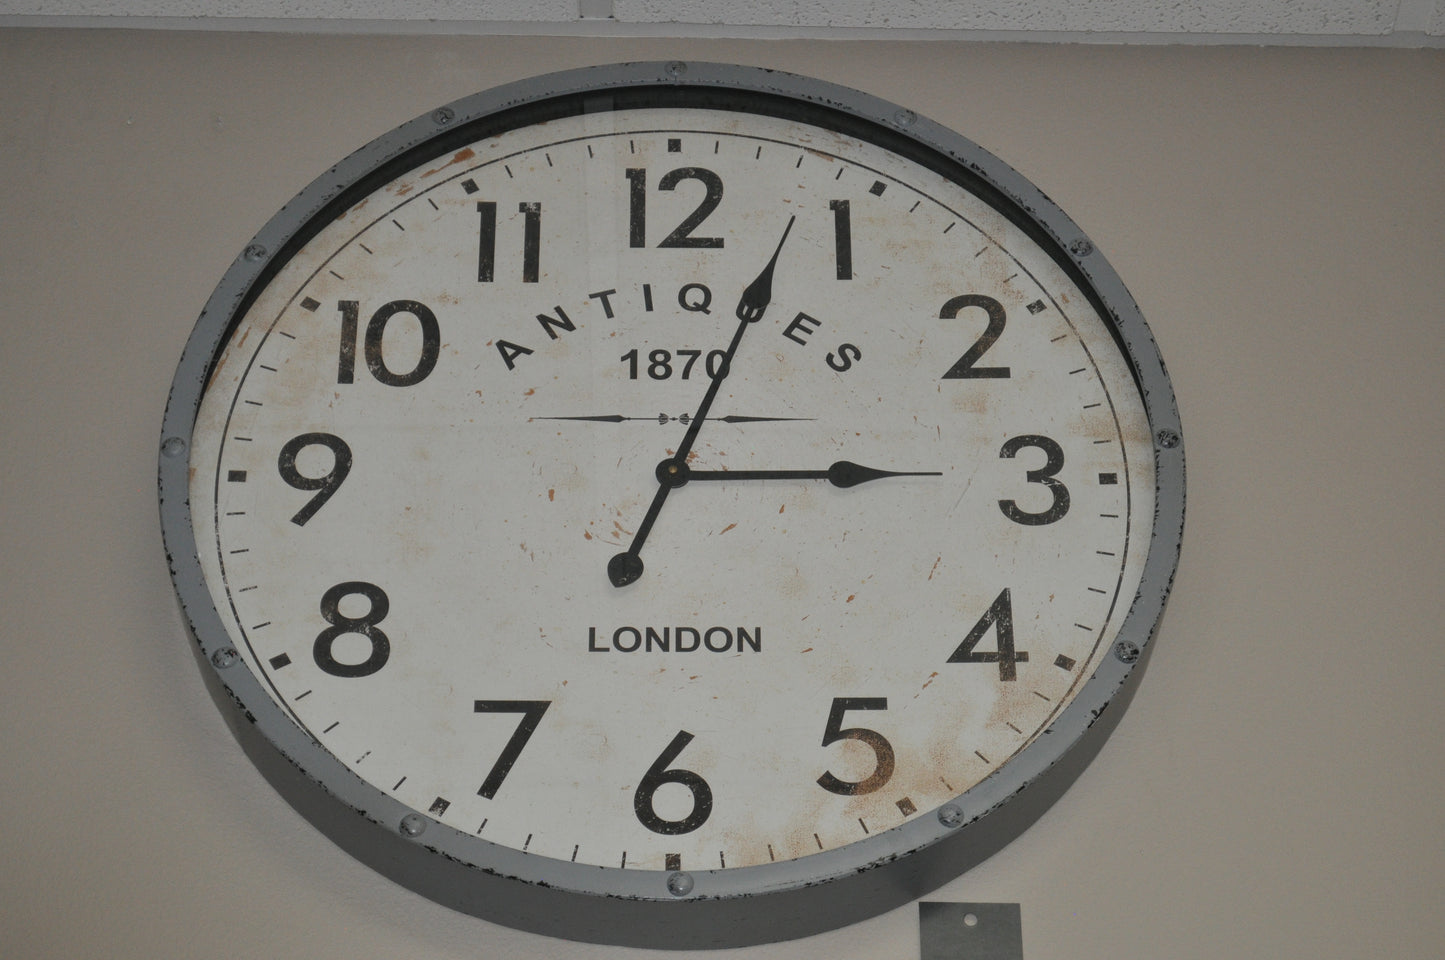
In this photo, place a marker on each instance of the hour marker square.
(279, 661)
(906, 807)
(438, 806)
(674, 145)
(1063, 662)
(1108, 478)
(307, 303)
(1037, 306)
(878, 187)
(470, 186)
(235, 476)
(673, 861)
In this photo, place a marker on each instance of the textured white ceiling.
(1394, 22)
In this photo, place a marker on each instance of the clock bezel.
(736, 906)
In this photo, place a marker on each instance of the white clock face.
(438, 489)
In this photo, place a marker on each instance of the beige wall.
(1274, 791)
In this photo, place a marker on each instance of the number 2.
(966, 366)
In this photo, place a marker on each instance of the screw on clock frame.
(950, 815)
(1126, 651)
(412, 825)
(442, 116)
(173, 447)
(679, 884)
(225, 657)
(256, 253)
(1168, 439)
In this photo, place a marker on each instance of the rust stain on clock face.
(461, 156)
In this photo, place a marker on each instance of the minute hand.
(751, 307)
(844, 473)
(626, 567)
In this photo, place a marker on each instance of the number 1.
(842, 238)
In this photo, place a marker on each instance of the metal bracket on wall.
(970, 931)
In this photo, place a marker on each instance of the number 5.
(882, 749)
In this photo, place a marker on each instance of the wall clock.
(671, 504)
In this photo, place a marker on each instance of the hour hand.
(844, 473)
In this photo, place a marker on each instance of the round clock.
(671, 504)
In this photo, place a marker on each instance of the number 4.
(1000, 616)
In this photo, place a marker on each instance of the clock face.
(678, 480)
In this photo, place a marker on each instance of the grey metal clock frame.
(703, 908)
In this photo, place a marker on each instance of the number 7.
(692, 356)
(531, 711)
